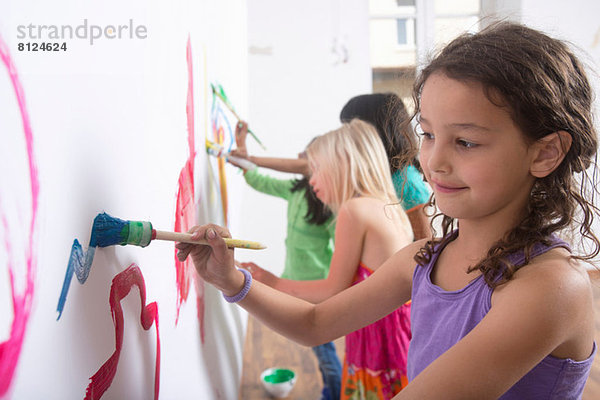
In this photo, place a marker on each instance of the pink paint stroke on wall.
(120, 288)
(185, 212)
(10, 349)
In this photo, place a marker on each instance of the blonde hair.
(354, 163)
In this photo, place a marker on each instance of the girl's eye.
(466, 144)
(426, 135)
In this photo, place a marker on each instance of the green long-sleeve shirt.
(309, 247)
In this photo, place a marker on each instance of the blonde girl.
(351, 175)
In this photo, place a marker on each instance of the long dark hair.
(388, 114)
(318, 213)
(544, 87)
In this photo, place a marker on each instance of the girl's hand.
(241, 131)
(215, 262)
(241, 153)
(260, 274)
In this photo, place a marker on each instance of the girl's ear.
(550, 151)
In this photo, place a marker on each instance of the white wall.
(110, 134)
(299, 82)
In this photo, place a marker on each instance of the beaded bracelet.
(242, 293)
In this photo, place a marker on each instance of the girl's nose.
(439, 159)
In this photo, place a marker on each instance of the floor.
(265, 348)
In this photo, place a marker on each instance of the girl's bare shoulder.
(554, 267)
(554, 276)
(550, 297)
(362, 201)
(365, 206)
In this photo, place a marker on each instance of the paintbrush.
(109, 231)
(218, 151)
(225, 101)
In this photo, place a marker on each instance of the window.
(405, 28)
(404, 32)
(401, 28)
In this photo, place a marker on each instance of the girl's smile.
(440, 187)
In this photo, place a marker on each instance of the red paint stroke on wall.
(184, 220)
(10, 349)
(120, 288)
(185, 212)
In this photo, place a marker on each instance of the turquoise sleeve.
(410, 187)
(269, 185)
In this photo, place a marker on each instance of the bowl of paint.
(278, 381)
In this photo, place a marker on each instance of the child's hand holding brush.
(215, 262)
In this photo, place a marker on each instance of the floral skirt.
(360, 384)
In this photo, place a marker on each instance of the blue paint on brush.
(109, 231)
(106, 231)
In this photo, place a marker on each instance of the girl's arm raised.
(387, 289)
(292, 165)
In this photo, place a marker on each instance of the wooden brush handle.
(187, 238)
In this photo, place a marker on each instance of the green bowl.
(278, 381)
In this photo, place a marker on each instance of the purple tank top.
(439, 319)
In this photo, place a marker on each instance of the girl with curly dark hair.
(501, 305)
